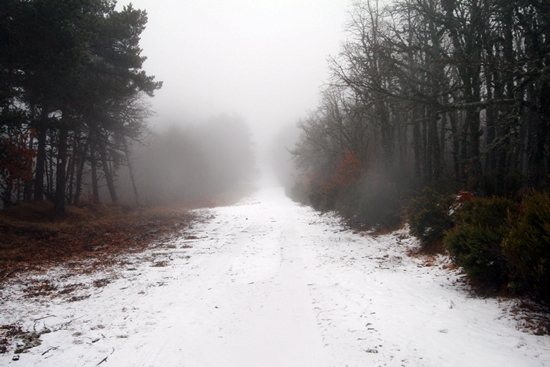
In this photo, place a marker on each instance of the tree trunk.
(95, 184)
(455, 139)
(108, 173)
(434, 147)
(28, 185)
(60, 179)
(6, 194)
(42, 130)
(416, 147)
(130, 169)
(80, 172)
(72, 165)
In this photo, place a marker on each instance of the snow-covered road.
(270, 283)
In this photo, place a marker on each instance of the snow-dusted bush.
(429, 217)
(527, 246)
(476, 241)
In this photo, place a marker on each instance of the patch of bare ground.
(91, 241)
(531, 317)
(30, 239)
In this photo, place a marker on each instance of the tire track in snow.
(249, 305)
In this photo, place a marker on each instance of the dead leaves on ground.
(28, 245)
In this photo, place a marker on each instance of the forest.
(74, 114)
(436, 115)
(439, 112)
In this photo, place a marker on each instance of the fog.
(196, 164)
(264, 60)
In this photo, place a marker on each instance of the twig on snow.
(50, 348)
(41, 318)
(45, 317)
(64, 325)
(105, 359)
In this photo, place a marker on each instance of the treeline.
(432, 93)
(195, 163)
(450, 95)
(71, 96)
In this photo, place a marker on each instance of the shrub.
(428, 217)
(326, 198)
(527, 246)
(476, 242)
(298, 192)
(370, 203)
(317, 198)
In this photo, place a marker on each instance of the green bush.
(527, 246)
(476, 242)
(428, 217)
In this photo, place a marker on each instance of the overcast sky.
(262, 59)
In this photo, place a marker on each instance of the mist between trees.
(196, 163)
(447, 94)
(73, 111)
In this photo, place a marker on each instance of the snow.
(269, 283)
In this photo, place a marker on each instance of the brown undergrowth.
(30, 239)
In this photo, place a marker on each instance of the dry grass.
(30, 237)
(531, 317)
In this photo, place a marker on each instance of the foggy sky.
(262, 59)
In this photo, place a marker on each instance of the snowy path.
(270, 283)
